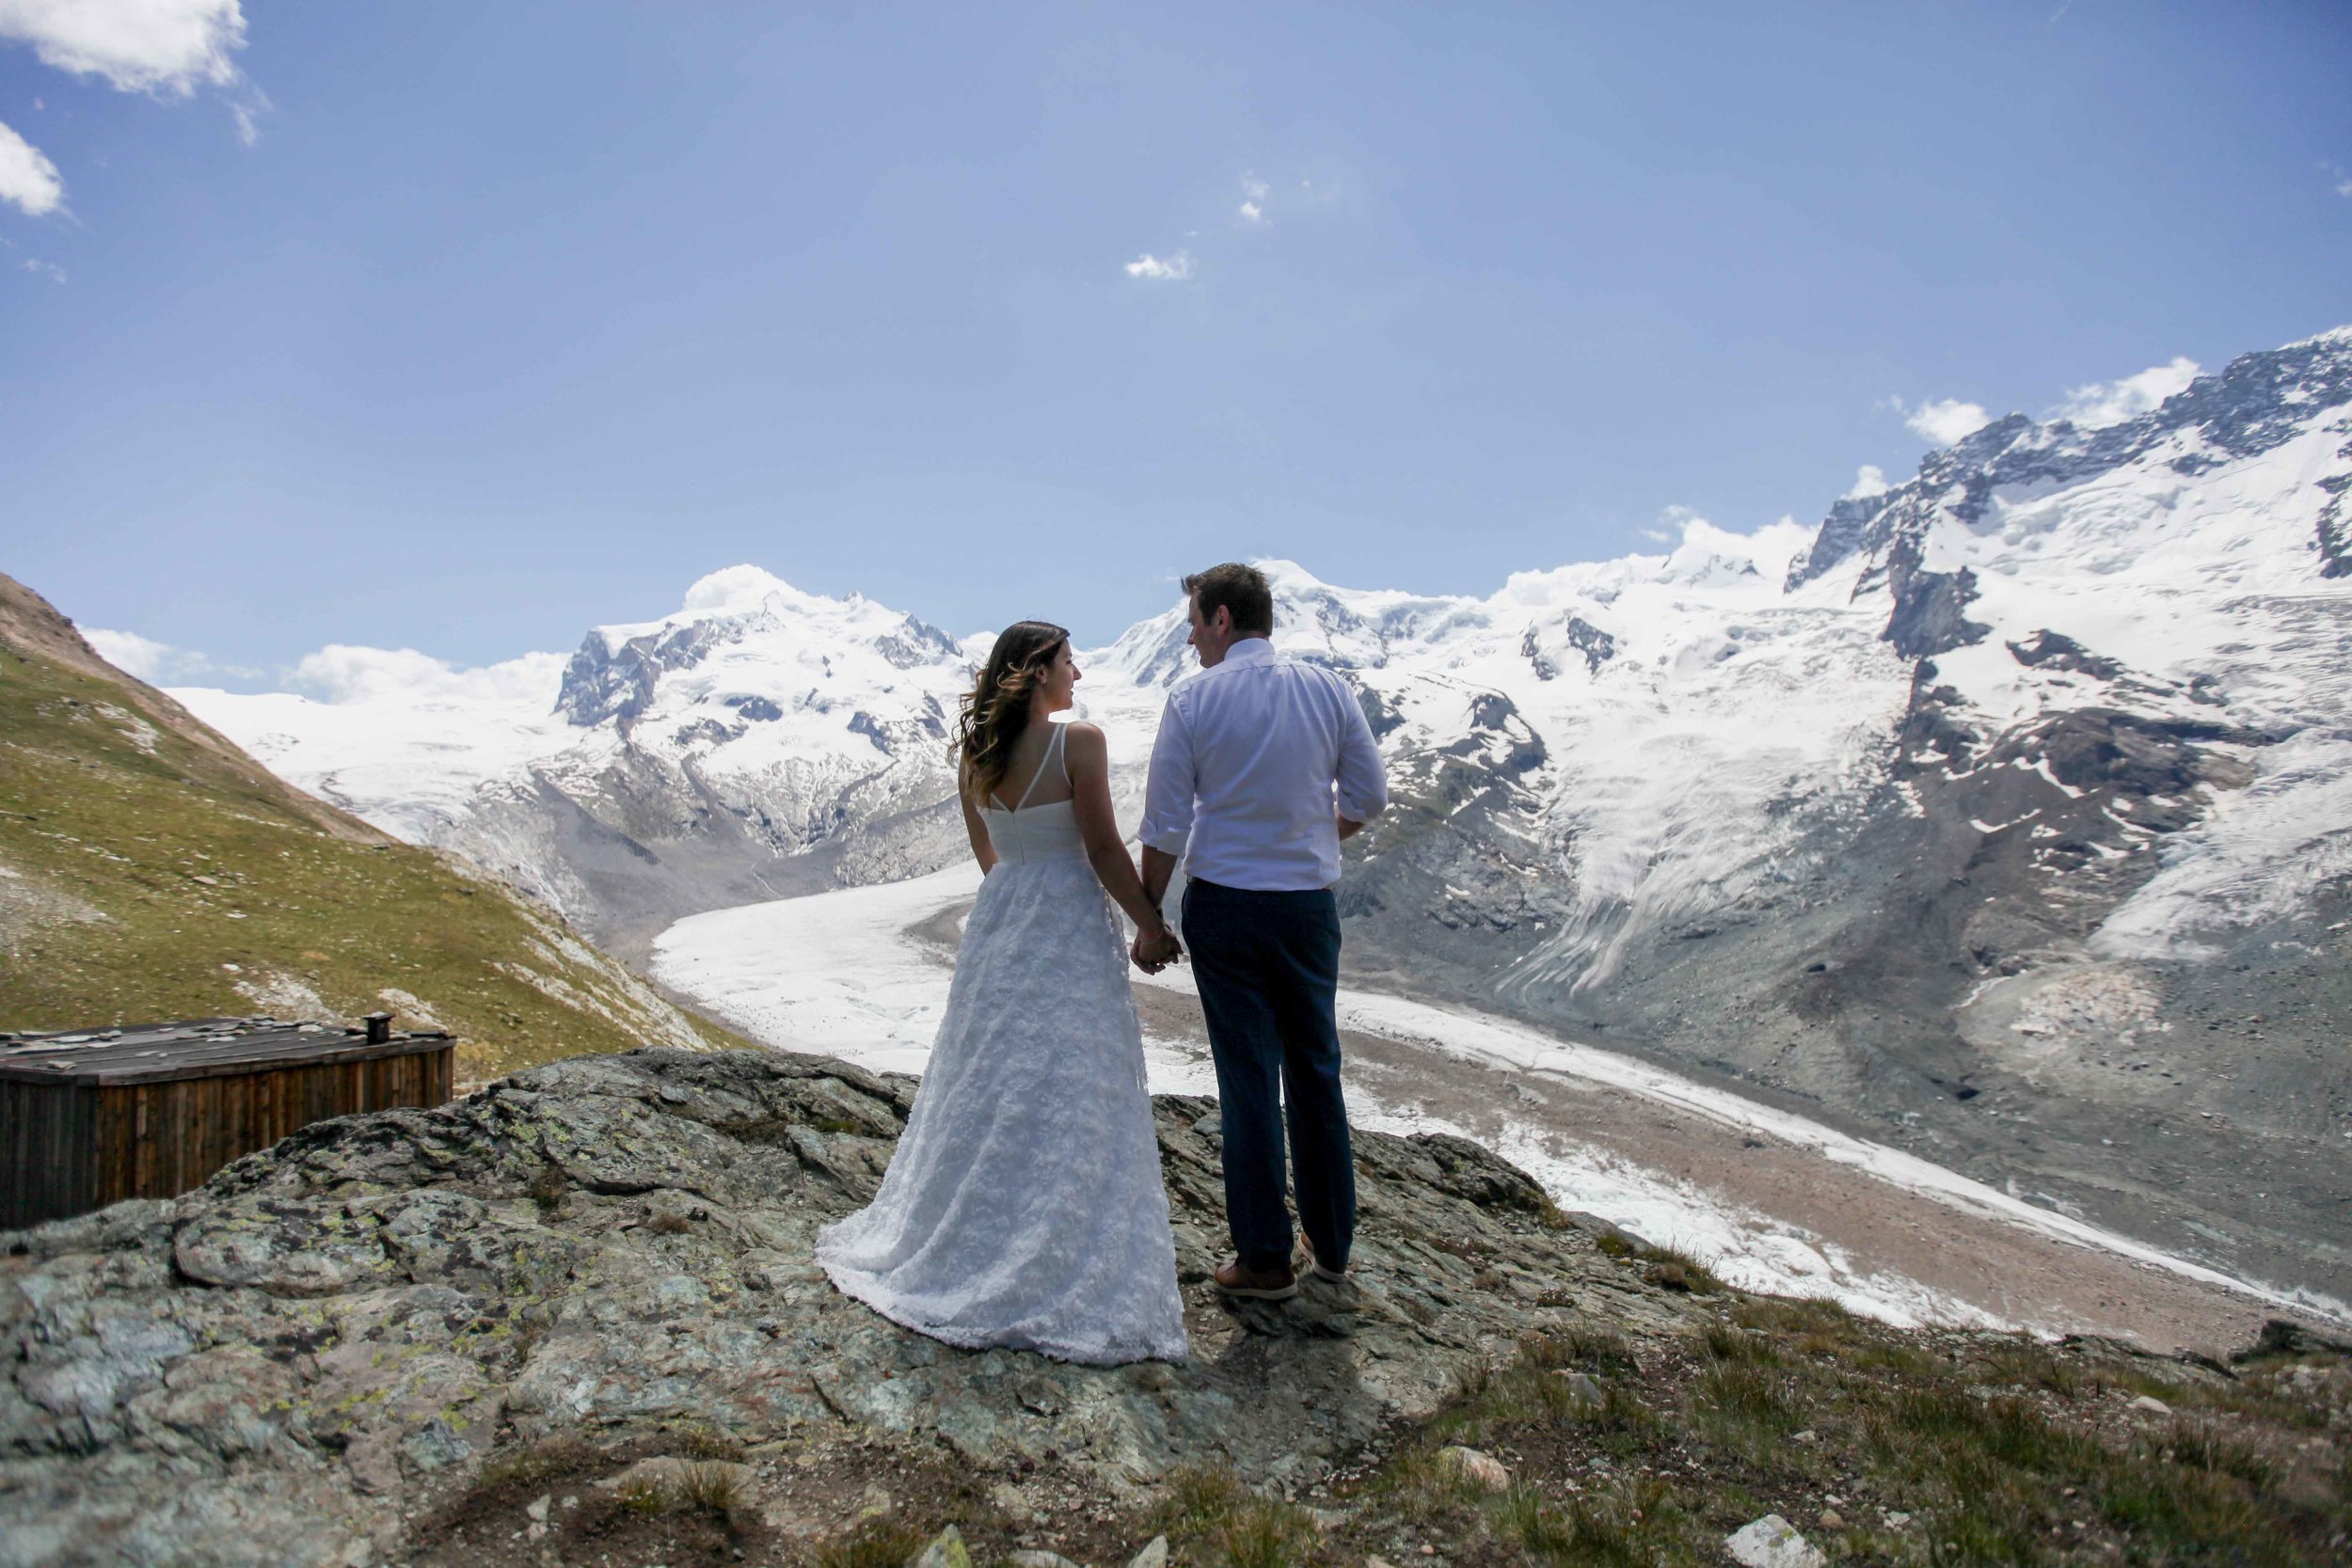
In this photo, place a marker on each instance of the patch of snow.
(2259, 856)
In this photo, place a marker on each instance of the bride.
(1023, 1206)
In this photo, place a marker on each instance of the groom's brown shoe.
(1257, 1284)
(1314, 1264)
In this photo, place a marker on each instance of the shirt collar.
(1249, 650)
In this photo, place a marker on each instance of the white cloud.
(735, 588)
(1152, 269)
(26, 178)
(127, 650)
(247, 113)
(159, 47)
(158, 663)
(1944, 420)
(1869, 480)
(2106, 402)
(1254, 191)
(1702, 545)
(341, 672)
(50, 270)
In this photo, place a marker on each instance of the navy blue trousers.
(1268, 968)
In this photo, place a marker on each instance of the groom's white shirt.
(1256, 755)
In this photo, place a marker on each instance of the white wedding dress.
(1023, 1207)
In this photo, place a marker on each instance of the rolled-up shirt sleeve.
(1363, 779)
(1167, 795)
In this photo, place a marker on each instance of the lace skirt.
(1023, 1207)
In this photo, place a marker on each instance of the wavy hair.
(995, 712)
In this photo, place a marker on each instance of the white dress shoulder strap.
(1053, 749)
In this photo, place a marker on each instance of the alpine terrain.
(151, 870)
(2005, 817)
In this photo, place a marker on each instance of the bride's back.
(1034, 775)
(1028, 815)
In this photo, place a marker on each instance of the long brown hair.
(995, 712)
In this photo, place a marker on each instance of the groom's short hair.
(1240, 588)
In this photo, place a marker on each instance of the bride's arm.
(975, 830)
(1087, 754)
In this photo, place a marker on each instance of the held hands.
(1154, 950)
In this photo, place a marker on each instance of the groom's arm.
(1167, 802)
(1361, 787)
(1159, 869)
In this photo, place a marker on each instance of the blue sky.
(465, 328)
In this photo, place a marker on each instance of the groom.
(1262, 766)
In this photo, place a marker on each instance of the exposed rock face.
(333, 1331)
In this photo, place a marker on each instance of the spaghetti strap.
(1052, 754)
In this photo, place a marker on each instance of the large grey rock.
(332, 1334)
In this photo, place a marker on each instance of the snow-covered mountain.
(2007, 812)
(760, 741)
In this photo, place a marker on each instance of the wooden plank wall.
(48, 1151)
(161, 1139)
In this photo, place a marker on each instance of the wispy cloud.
(159, 662)
(1254, 192)
(50, 270)
(2343, 180)
(1943, 420)
(1155, 269)
(1869, 480)
(2106, 402)
(27, 178)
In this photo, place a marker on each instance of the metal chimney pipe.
(379, 1028)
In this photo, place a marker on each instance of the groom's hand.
(1155, 953)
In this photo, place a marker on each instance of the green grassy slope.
(149, 869)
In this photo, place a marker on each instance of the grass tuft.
(1727, 1344)
(1585, 1350)
(714, 1484)
(1207, 1510)
(883, 1542)
(550, 1456)
(708, 1443)
(549, 1187)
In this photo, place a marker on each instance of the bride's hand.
(1156, 950)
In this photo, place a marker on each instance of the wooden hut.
(91, 1116)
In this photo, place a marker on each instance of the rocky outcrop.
(333, 1333)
